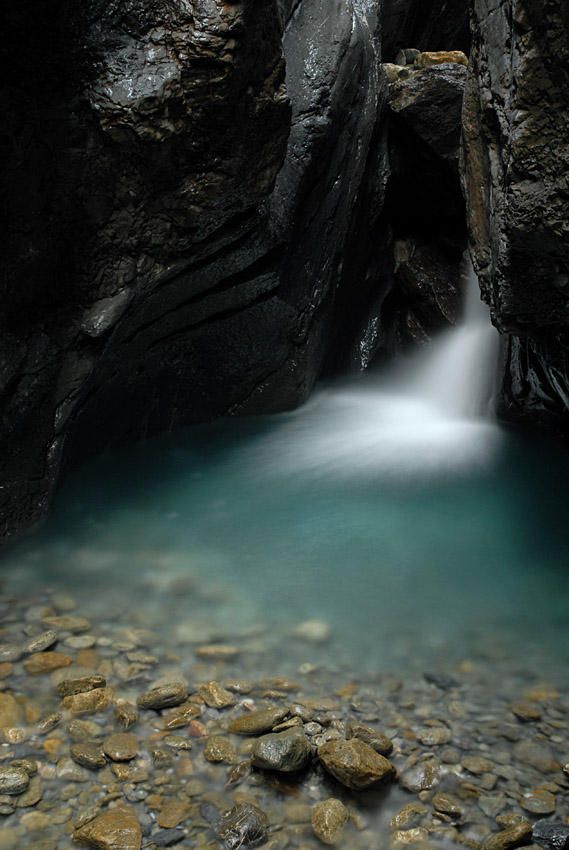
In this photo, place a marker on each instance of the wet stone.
(48, 723)
(83, 684)
(167, 837)
(404, 837)
(552, 835)
(90, 702)
(329, 819)
(376, 740)
(121, 747)
(409, 816)
(41, 642)
(238, 686)
(440, 680)
(537, 755)
(434, 736)
(258, 722)
(178, 717)
(163, 696)
(214, 695)
(525, 713)
(33, 795)
(514, 836)
(116, 829)
(477, 765)
(218, 748)
(88, 755)
(45, 662)
(217, 652)
(13, 779)
(283, 751)
(67, 624)
(244, 824)
(422, 775)
(10, 711)
(173, 814)
(447, 804)
(9, 652)
(539, 802)
(126, 714)
(355, 764)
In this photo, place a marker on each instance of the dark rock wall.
(177, 217)
(516, 179)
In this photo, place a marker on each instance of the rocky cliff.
(516, 162)
(191, 218)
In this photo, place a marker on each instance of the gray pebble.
(41, 642)
(13, 779)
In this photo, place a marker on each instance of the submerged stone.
(117, 829)
(243, 824)
(285, 751)
(258, 722)
(13, 779)
(328, 820)
(552, 835)
(163, 696)
(514, 836)
(355, 764)
(376, 740)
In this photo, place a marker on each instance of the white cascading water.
(427, 417)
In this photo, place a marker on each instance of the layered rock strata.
(180, 220)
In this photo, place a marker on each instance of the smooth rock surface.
(284, 751)
(355, 764)
(328, 820)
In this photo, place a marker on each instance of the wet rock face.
(154, 274)
(516, 162)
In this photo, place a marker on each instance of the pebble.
(440, 680)
(552, 835)
(90, 702)
(243, 824)
(83, 684)
(116, 829)
(477, 765)
(355, 764)
(524, 712)
(214, 695)
(45, 662)
(164, 696)
(403, 837)
(218, 652)
(409, 816)
(258, 722)
(41, 642)
(88, 755)
(121, 747)
(13, 779)
(126, 714)
(433, 736)
(447, 804)
(514, 836)
(179, 717)
(329, 819)
(80, 641)
(376, 740)
(173, 814)
(67, 624)
(9, 652)
(10, 711)
(539, 802)
(218, 748)
(283, 751)
(537, 755)
(421, 775)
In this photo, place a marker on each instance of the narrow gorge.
(284, 383)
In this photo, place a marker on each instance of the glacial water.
(420, 534)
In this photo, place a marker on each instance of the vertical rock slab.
(157, 273)
(516, 164)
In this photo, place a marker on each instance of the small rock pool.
(363, 560)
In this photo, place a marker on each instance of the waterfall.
(427, 417)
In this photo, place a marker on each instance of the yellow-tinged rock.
(117, 829)
(328, 820)
(90, 702)
(440, 57)
(10, 711)
(45, 662)
(173, 814)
